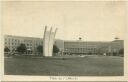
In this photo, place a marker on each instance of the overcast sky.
(93, 21)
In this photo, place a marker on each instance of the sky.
(92, 21)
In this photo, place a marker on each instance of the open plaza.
(65, 66)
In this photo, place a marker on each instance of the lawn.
(87, 66)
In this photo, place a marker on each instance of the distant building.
(66, 47)
(93, 47)
(80, 47)
(60, 44)
(112, 48)
(12, 42)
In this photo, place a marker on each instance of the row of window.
(12, 40)
(14, 43)
(80, 49)
(70, 46)
(14, 47)
(79, 43)
(11, 43)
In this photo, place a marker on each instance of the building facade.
(80, 47)
(93, 47)
(12, 42)
(112, 48)
(66, 47)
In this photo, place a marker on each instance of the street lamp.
(80, 38)
(116, 38)
(66, 51)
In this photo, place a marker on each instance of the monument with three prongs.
(48, 41)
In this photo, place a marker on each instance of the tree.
(6, 49)
(55, 49)
(40, 49)
(22, 48)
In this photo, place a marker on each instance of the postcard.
(64, 41)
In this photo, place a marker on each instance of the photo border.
(6, 78)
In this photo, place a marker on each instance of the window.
(27, 44)
(9, 40)
(30, 44)
(5, 42)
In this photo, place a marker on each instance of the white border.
(81, 78)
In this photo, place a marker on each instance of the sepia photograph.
(64, 38)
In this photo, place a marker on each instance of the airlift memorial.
(48, 41)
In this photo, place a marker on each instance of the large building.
(93, 47)
(66, 47)
(112, 48)
(12, 42)
(80, 47)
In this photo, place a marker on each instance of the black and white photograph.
(64, 38)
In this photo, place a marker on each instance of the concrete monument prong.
(48, 42)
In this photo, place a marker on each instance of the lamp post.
(66, 51)
(116, 38)
(80, 38)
